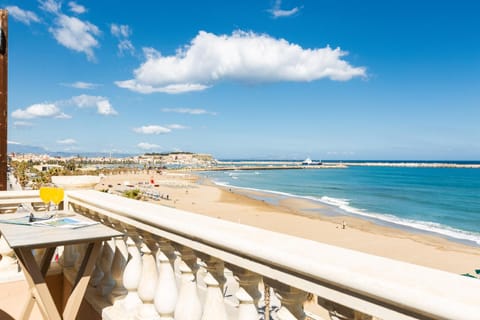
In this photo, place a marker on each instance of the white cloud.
(188, 111)
(12, 142)
(67, 141)
(76, 34)
(63, 116)
(284, 13)
(81, 85)
(21, 15)
(277, 12)
(126, 46)
(242, 56)
(102, 104)
(172, 88)
(39, 110)
(122, 33)
(104, 107)
(76, 8)
(22, 124)
(152, 129)
(50, 6)
(176, 126)
(148, 146)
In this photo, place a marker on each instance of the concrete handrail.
(374, 285)
(14, 198)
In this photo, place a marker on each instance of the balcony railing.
(173, 264)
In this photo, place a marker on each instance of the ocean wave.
(344, 205)
(427, 226)
(334, 201)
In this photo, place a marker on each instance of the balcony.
(173, 264)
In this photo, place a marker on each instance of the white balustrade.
(247, 309)
(214, 307)
(166, 292)
(69, 256)
(188, 305)
(131, 277)
(292, 301)
(349, 284)
(107, 283)
(80, 252)
(249, 282)
(118, 265)
(215, 267)
(97, 274)
(147, 286)
(8, 262)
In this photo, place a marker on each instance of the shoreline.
(294, 216)
(318, 208)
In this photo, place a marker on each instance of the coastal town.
(32, 170)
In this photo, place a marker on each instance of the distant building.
(46, 167)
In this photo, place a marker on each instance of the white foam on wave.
(334, 201)
(344, 204)
(427, 226)
(279, 193)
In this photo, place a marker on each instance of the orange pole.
(3, 98)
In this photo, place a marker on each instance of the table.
(23, 238)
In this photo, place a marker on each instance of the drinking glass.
(57, 197)
(46, 196)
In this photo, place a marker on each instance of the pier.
(267, 165)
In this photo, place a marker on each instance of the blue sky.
(247, 79)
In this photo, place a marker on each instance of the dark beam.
(3, 98)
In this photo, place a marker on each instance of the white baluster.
(131, 277)
(166, 293)
(248, 294)
(97, 274)
(68, 257)
(147, 286)
(249, 281)
(215, 267)
(118, 265)
(246, 309)
(188, 306)
(80, 249)
(8, 262)
(292, 300)
(107, 283)
(214, 306)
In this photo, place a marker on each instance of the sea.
(440, 201)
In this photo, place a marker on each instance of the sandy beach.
(296, 217)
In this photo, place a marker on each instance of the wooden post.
(3, 98)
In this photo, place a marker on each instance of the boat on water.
(310, 162)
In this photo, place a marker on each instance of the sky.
(263, 79)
